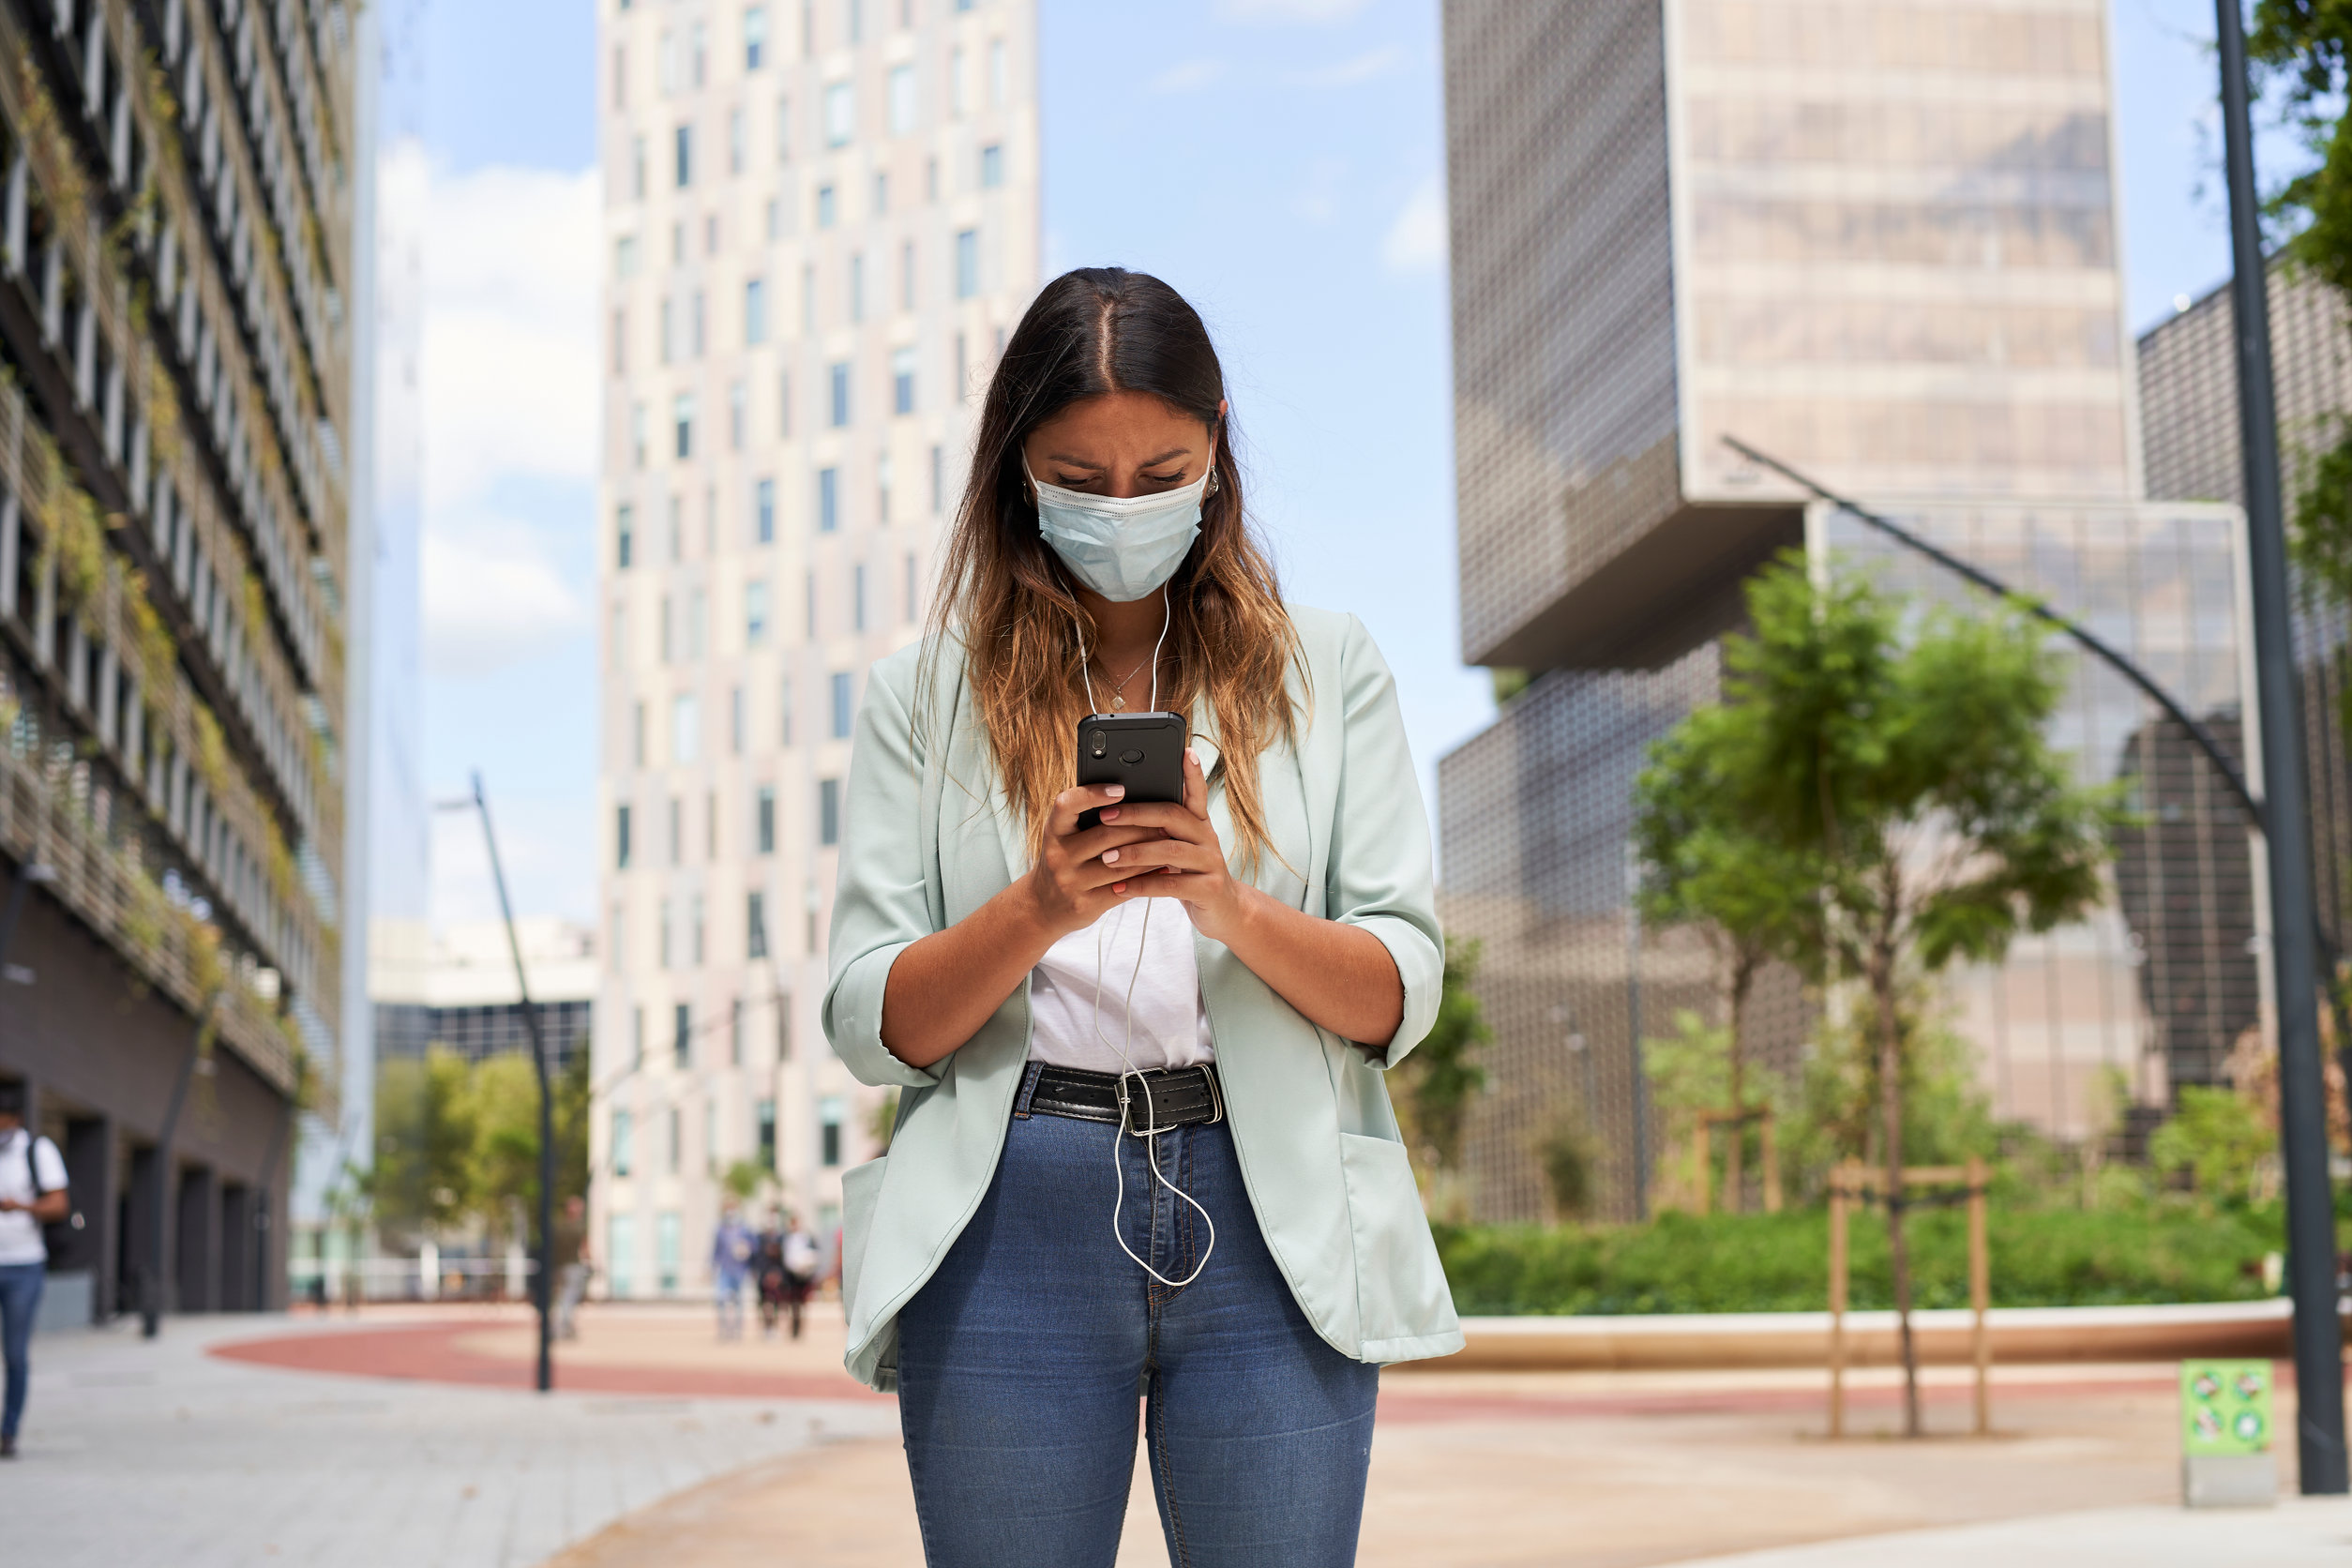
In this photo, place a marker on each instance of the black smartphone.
(1143, 751)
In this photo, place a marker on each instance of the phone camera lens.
(1097, 743)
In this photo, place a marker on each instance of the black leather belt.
(1156, 1100)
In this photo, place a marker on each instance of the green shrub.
(2055, 1256)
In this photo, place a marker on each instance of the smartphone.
(1143, 751)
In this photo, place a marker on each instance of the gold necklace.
(1119, 691)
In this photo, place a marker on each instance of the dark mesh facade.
(1563, 301)
(2189, 398)
(408, 1030)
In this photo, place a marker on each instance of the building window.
(764, 819)
(734, 721)
(828, 813)
(992, 166)
(763, 511)
(783, 130)
(905, 276)
(666, 1227)
(939, 478)
(621, 839)
(755, 926)
(701, 338)
(637, 435)
(996, 71)
(620, 340)
(841, 113)
(828, 499)
(686, 738)
(857, 591)
(668, 335)
(956, 83)
(774, 218)
(857, 287)
(623, 1143)
(842, 703)
(684, 143)
(755, 37)
(637, 169)
(902, 381)
(735, 140)
(966, 262)
(698, 926)
(755, 613)
(677, 830)
(637, 746)
(838, 379)
(914, 587)
(902, 101)
(829, 1113)
(755, 311)
(682, 1033)
(784, 405)
(681, 423)
(637, 1039)
(766, 1114)
(882, 490)
(827, 209)
(623, 535)
(735, 402)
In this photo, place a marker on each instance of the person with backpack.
(32, 1195)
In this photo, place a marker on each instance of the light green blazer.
(929, 837)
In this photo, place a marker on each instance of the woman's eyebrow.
(1068, 461)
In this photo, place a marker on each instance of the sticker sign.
(2225, 1407)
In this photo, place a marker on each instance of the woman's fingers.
(1195, 785)
(1171, 818)
(1083, 797)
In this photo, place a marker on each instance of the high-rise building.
(2189, 385)
(821, 223)
(183, 312)
(1877, 241)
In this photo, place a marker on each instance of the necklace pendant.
(1118, 703)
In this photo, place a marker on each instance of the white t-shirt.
(1171, 1025)
(20, 1232)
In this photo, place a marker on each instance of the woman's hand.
(1081, 873)
(1183, 860)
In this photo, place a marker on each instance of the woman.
(1136, 1152)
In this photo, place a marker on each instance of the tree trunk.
(1891, 1135)
(1734, 1173)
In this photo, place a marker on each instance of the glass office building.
(1877, 241)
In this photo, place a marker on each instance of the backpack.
(56, 1234)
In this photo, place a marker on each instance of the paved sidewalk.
(139, 1452)
(2297, 1532)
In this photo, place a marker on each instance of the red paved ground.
(437, 1352)
(431, 1352)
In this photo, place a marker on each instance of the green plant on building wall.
(1433, 1086)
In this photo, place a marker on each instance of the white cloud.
(1416, 241)
(505, 289)
(493, 593)
(1369, 66)
(509, 355)
(1188, 76)
(1316, 12)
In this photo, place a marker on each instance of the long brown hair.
(1006, 596)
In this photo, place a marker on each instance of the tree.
(1704, 862)
(421, 1182)
(1897, 754)
(1438, 1080)
(504, 1092)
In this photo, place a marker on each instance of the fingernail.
(1109, 856)
(1110, 813)
(1117, 791)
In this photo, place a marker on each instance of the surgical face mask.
(1123, 548)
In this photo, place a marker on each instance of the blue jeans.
(19, 1300)
(1020, 1364)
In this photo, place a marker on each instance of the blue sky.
(1280, 162)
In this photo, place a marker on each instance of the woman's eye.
(1175, 478)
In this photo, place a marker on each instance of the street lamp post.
(542, 1283)
(2311, 1246)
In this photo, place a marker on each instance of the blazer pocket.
(861, 1194)
(1401, 1291)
